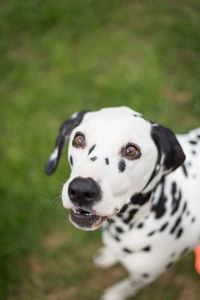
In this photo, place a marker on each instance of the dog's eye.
(79, 140)
(131, 151)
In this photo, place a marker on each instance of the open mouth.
(84, 219)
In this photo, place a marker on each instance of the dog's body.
(153, 212)
(169, 230)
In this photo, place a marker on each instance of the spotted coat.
(147, 180)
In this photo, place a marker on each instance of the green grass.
(58, 57)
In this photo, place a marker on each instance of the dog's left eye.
(79, 140)
(131, 151)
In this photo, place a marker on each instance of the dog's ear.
(63, 135)
(170, 152)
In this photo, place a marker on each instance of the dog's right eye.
(79, 140)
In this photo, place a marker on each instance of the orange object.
(197, 259)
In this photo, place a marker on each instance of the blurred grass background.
(58, 57)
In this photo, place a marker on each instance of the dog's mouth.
(85, 220)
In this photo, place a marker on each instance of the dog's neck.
(141, 204)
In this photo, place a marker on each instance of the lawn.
(58, 57)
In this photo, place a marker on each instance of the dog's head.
(114, 153)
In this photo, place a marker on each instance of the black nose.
(84, 191)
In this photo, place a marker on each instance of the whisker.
(56, 201)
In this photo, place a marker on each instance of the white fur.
(54, 154)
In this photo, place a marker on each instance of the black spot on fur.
(145, 275)
(193, 152)
(159, 208)
(122, 165)
(124, 208)
(140, 225)
(107, 161)
(151, 233)
(176, 224)
(117, 238)
(184, 170)
(146, 249)
(71, 160)
(176, 198)
(140, 199)
(127, 250)
(93, 158)
(132, 212)
(169, 265)
(110, 221)
(184, 207)
(131, 225)
(91, 149)
(192, 142)
(184, 251)
(188, 213)
(179, 233)
(193, 220)
(163, 227)
(119, 229)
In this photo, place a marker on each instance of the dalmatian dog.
(138, 181)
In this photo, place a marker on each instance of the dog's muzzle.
(84, 193)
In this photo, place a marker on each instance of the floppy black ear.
(63, 135)
(168, 147)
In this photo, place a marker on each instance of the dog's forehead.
(120, 125)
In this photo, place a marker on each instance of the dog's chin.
(85, 220)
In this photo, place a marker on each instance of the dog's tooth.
(76, 211)
(88, 213)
